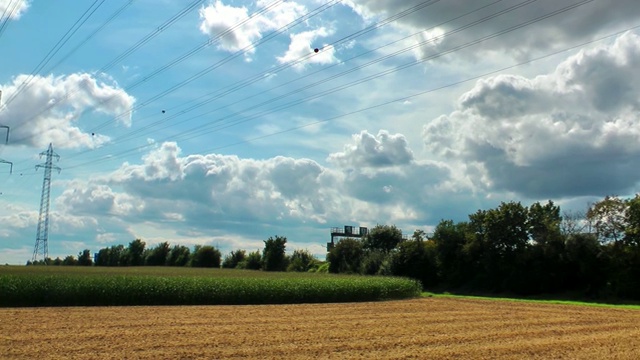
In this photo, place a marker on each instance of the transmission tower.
(42, 248)
(6, 141)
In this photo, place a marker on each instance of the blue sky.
(216, 122)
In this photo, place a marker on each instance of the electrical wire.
(197, 132)
(54, 50)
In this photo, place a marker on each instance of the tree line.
(512, 249)
(272, 258)
(509, 249)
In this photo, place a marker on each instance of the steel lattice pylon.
(42, 248)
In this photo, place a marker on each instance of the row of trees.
(512, 248)
(272, 258)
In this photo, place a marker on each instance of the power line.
(164, 26)
(254, 116)
(409, 97)
(54, 50)
(7, 14)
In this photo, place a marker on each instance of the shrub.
(232, 260)
(345, 256)
(205, 256)
(301, 261)
(252, 262)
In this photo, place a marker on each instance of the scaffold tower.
(42, 237)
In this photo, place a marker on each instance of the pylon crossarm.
(8, 162)
(6, 127)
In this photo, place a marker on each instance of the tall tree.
(205, 256)
(383, 237)
(85, 258)
(158, 255)
(607, 217)
(135, 252)
(346, 256)
(273, 254)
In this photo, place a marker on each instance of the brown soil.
(431, 328)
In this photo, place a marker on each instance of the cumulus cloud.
(218, 19)
(52, 107)
(579, 24)
(13, 9)
(368, 150)
(568, 133)
(303, 44)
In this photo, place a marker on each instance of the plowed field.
(430, 328)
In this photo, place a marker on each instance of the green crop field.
(97, 286)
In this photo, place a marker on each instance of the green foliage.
(26, 286)
(273, 255)
(135, 253)
(383, 238)
(372, 262)
(69, 260)
(252, 262)
(346, 256)
(112, 256)
(232, 260)
(205, 256)
(608, 218)
(179, 256)
(85, 258)
(158, 255)
(301, 261)
(417, 260)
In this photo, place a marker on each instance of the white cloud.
(218, 18)
(579, 24)
(48, 110)
(571, 132)
(13, 9)
(370, 150)
(304, 44)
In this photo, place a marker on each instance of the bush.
(372, 262)
(205, 256)
(345, 256)
(252, 262)
(301, 261)
(232, 260)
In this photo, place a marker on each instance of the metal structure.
(347, 231)
(6, 141)
(42, 238)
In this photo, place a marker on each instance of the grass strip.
(539, 301)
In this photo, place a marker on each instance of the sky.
(226, 122)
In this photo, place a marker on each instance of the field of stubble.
(428, 328)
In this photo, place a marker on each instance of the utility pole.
(42, 247)
(6, 141)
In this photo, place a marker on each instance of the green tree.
(179, 256)
(158, 255)
(544, 222)
(273, 254)
(450, 239)
(415, 259)
(382, 237)
(301, 261)
(252, 262)
(346, 256)
(608, 219)
(205, 256)
(632, 222)
(135, 253)
(85, 258)
(232, 260)
(70, 260)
